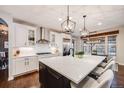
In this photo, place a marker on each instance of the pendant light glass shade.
(68, 25)
(3, 25)
(84, 31)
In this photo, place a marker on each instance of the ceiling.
(98, 17)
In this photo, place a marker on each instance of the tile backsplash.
(24, 51)
(42, 48)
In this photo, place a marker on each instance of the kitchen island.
(72, 68)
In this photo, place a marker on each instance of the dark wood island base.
(49, 78)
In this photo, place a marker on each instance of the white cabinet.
(19, 66)
(20, 35)
(24, 35)
(56, 40)
(55, 37)
(24, 65)
(33, 63)
(52, 37)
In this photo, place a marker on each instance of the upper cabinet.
(24, 35)
(55, 38)
(56, 41)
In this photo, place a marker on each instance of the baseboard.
(10, 78)
(25, 73)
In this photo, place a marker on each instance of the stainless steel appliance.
(68, 47)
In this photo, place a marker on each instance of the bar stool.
(104, 81)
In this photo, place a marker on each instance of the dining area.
(90, 71)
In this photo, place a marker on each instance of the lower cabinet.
(25, 65)
(49, 78)
(32, 63)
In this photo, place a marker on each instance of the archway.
(3, 50)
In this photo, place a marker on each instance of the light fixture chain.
(67, 15)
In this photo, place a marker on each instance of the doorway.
(3, 50)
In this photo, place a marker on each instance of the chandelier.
(3, 25)
(84, 31)
(68, 25)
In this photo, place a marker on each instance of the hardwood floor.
(118, 81)
(32, 80)
(25, 81)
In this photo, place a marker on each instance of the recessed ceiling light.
(99, 23)
(70, 18)
(60, 19)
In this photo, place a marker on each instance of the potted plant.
(79, 54)
(94, 52)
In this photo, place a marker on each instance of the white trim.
(121, 63)
(10, 78)
(9, 19)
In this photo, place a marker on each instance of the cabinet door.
(59, 43)
(31, 37)
(52, 37)
(20, 66)
(20, 35)
(32, 63)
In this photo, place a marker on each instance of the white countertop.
(47, 55)
(74, 69)
(21, 56)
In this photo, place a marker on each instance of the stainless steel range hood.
(42, 39)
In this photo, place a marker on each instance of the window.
(100, 47)
(112, 45)
(87, 48)
(106, 46)
(97, 48)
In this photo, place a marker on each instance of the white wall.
(120, 46)
(8, 18)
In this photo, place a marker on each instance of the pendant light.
(68, 25)
(84, 31)
(3, 25)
